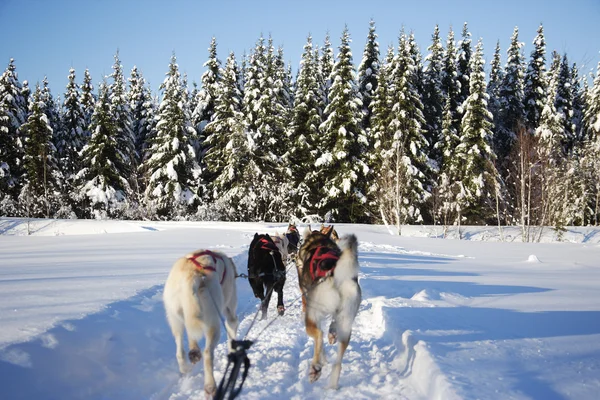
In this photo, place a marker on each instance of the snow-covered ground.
(81, 315)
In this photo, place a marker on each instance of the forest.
(402, 137)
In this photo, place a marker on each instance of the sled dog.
(266, 271)
(328, 277)
(199, 291)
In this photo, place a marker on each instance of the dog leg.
(337, 367)
(231, 324)
(177, 327)
(332, 335)
(267, 300)
(212, 337)
(315, 332)
(280, 306)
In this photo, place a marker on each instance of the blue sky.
(47, 37)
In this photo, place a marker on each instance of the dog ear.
(306, 233)
(255, 235)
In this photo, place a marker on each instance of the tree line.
(400, 139)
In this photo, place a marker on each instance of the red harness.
(264, 244)
(193, 258)
(322, 255)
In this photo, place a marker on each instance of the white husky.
(199, 291)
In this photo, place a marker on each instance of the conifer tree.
(511, 115)
(52, 109)
(464, 65)
(103, 188)
(326, 64)
(535, 82)
(12, 115)
(368, 74)
(432, 94)
(304, 133)
(591, 123)
(477, 173)
(227, 121)
(380, 197)
(172, 170)
(407, 160)
(450, 84)
(71, 138)
(578, 95)
(266, 120)
(564, 104)
(140, 103)
(88, 102)
(40, 195)
(229, 156)
(342, 140)
(121, 116)
(494, 85)
(204, 101)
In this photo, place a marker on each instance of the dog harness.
(267, 245)
(322, 262)
(193, 258)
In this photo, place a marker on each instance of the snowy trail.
(282, 353)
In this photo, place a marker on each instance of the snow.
(82, 315)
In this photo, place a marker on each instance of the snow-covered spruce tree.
(591, 122)
(13, 114)
(266, 121)
(463, 67)
(204, 102)
(535, 82)
(450, 82)
(368, 76)
(564, 104)
(227, 122)
(139, 98)
(494, 84)
(578, 94)
(326, 63)
(511, 115)
(380, 197)
(551, 153)
(121, 116)
(230, 155)
(172, 172)
(304, 135)
(71, 138)
(478, 177)
(407, 166)
(88, 102)
(342, 141)
(103, 188)
(40, 195)
(52, 109)
(448, 187)
(433, 102)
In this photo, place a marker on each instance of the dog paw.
(195, 355)
(280, 310)
(315, 373)
(332, 337)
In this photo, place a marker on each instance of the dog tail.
(347, 266)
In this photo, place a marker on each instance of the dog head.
(315, 243)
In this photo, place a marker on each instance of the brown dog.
(328, 277)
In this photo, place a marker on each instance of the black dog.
(293, 237)
(266, 272)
